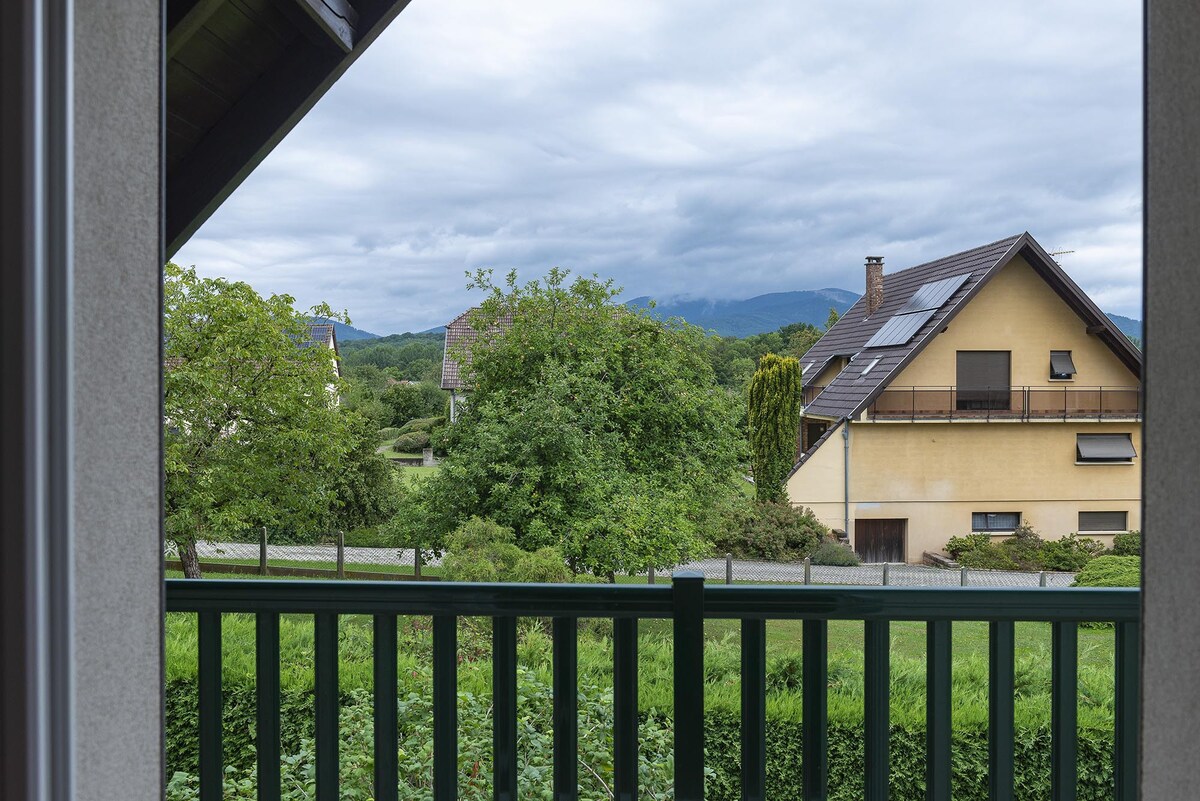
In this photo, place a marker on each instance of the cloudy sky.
(699, 149)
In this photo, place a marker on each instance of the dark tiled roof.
(460, 332)
(850, 392)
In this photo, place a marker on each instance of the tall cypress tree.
(774, 417)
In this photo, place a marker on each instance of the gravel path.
(713, 569)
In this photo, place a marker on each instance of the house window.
(1103, 521)
(870, 366)
(1061, 366)
(1104, 448)
(983, 379)
(995, 521)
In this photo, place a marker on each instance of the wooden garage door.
(880, 540)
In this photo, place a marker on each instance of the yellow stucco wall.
(936, 474)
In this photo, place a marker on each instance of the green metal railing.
(687, 602)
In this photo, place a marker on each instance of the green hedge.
(722, 739)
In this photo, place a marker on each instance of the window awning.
(1061, 364)
(1105, 447)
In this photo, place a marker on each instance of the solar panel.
(934, 294)
(900, 329)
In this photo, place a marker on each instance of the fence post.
(728, 568)
(650, 576)
(962, 579)
(1042, 579)
(262, 553)
(886, 573)
(416, 563)
(808, 570)
(341, 555)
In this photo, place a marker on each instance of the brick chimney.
(874, 284)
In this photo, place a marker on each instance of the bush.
(957, 546)
(388, 434)
(425, 424)
(1111, 571)
(366, 537)
(1128, 544)
(1024, 548)
(483, 550)
(411, 443)
(990, 557)
(772, 530)
(1071, 553)
(834, 553)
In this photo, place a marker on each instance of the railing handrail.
(798, 602)
(1055, 387)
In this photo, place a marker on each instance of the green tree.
(591, 427)
(252, 432)
(832, 319)
(774, 420)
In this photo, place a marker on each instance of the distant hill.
(348, 333)
(1129, 327)
(757, 315)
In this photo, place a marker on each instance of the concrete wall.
(118, 556)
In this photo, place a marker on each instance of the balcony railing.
(687, 602)
(1007, 403)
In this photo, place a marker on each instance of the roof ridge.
(1008, 239)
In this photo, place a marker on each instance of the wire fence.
(400, 563)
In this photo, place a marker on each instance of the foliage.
(365, 489)
(1127, 544)
(252, 436)
(957, 546)
(774, 419)
(422, 424)
(835, 553)
(407, 401)
(1025, 548)
(413, 442)
(1070, 553)
(387, 434)
(777, 531)
(412, 357)
(991, 557)
(483, 550)
(1111, 571)
(591, 427)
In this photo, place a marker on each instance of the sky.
(697, 150)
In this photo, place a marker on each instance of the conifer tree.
(774, 419)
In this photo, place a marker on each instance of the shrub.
(1070, 553)
(989, 557)
(1128, 544)
(388, 434)
(411, 443)
(773, 530)
(834, 553)
(1024, 548)
(483, 550)
(424, 424)
(366, 537)
(1111, 571)
(957, 546)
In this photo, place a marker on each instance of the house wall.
(936, 475)
(1018, 312)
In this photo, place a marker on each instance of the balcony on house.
(1007, 403)
(687, 603)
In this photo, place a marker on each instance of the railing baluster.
(815, 731)
(211, 769)
(326, 658)
(386, 734)
(754, 710)
(1001, 674)
(877, 664)
(625, 709)
(504, 708)
(688, 610)
(445, 708)
(937, 710)
(1127, 712)
(266, 669)
(1064, 701)
(566, 709)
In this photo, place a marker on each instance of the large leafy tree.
(590, 427)
(252, 432)
(774, 420)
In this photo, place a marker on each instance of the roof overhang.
(240, 74)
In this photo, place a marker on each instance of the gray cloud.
(691, 149)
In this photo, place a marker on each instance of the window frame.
(1092, 530)
(1080, 460)
(1057, 377)
(995, 529)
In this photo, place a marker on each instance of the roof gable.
(854, 388)
(460, 332)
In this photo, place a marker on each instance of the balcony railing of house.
(1007, 403)
(687, 602)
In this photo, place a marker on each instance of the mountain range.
(756, 315)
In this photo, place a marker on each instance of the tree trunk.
(189, 558)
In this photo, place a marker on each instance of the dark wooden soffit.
(239, 75)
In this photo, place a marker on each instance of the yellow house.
(970, 394)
